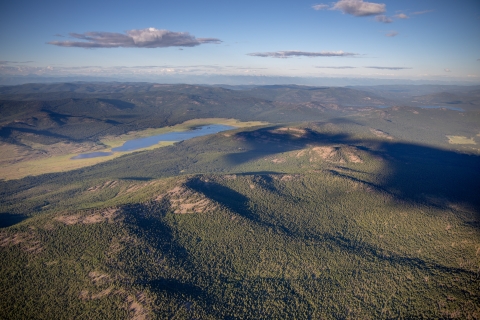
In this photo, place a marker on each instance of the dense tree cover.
(346, 217)
(305, 222)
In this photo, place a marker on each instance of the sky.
(148, 40)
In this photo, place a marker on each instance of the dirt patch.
(136, 302)
(184, 200)
(278, 160)
(101, 294)
(352, 155)
(289, 177)
(296, 132)
(27, 241)
(108, 215)
(108, 184)
(301, 153)
(136, 305)
(69, 220)
(343, 154)
(98, 278)
(381, 134)
(135, 187)
(326, 153)
(86, 295)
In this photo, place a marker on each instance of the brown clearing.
(276, 160)
(107, 215)
(26, 240)
(183, 200)
(381, 134)
(296, 132)
(98, 278)
(331, 154)
(108, 184)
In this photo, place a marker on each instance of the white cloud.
(422, 12)
(294, 53)
(447, 70)
(392, 34)
(142, 38)
(401, 16)
(320, 6)
(359, 8)
(383, 18)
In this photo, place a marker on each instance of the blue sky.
(417, 40)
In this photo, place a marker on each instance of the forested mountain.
(342, 203)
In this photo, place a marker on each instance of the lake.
(141, 143)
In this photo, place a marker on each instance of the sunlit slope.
(318, 220)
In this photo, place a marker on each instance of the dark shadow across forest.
(412, 172)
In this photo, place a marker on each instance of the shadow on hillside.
(119, 104)
(177, 288)
(233, 201)
(412, 172)
(146, 221)
(240, 204)
(7, 132)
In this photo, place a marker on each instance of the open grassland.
(61, 163)
(41, 159)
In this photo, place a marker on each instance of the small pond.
(153, 140)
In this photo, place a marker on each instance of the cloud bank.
(141, 38)
(294, 53)
(401, 16)
(333, 67)
(383, 18)
(387, 68)
(392, 34)
(422, 12)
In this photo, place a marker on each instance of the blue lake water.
(153, 140)
(442, 107)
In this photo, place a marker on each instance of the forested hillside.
(333, 209)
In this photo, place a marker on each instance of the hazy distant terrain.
(324, 202)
